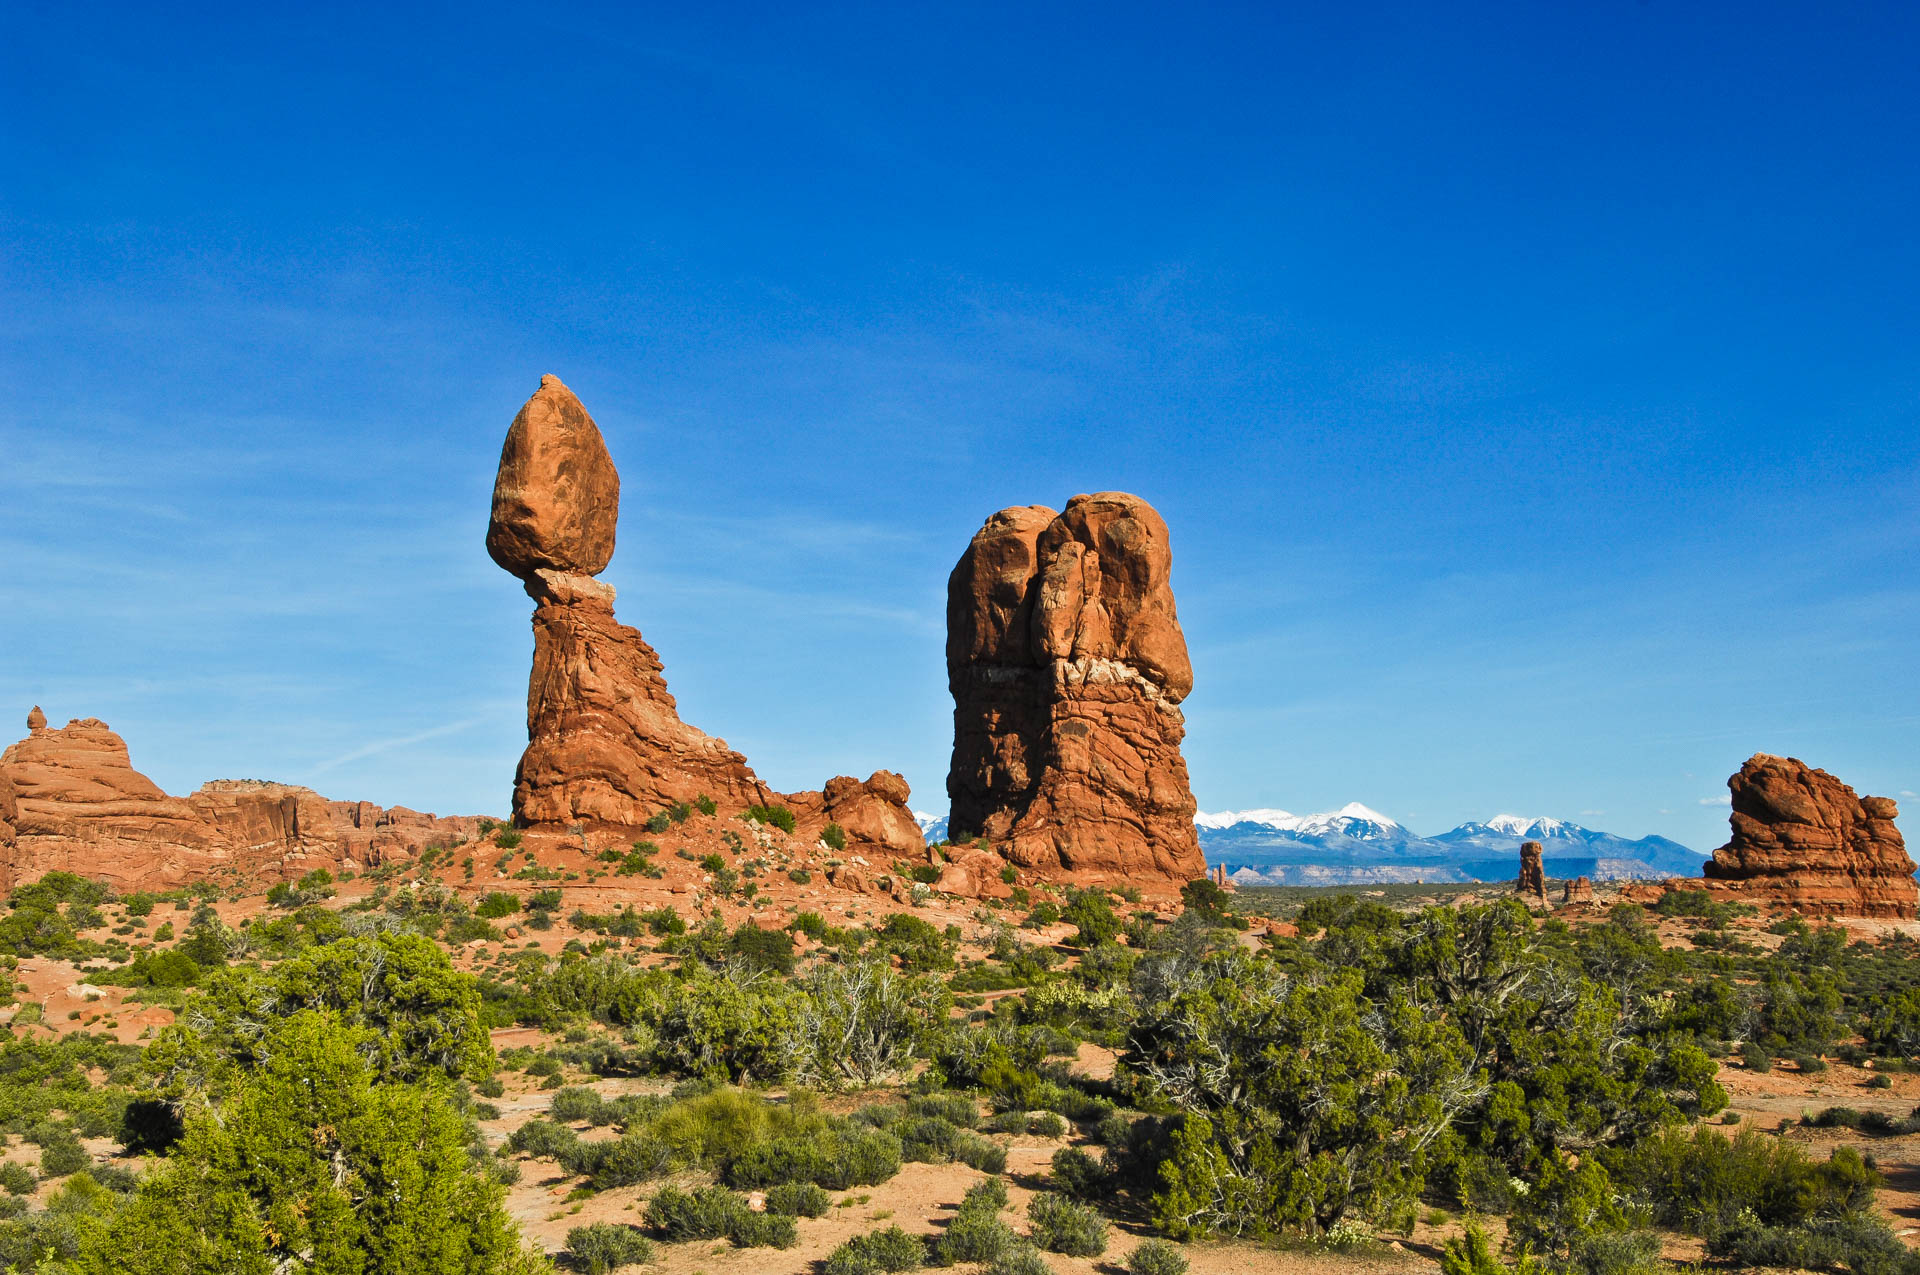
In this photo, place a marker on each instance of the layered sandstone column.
(1067, 667)
(605, 742)
(1532, 884)
(1804, 839)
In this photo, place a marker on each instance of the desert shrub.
(927, 1139)
(769, 950)
(980, 1153)
(1078, 1175)
(776, 816)
(705, 1214)
(1019, 1259)
(834, 836)
(541, 1139)
(1472, 1254)
(838, 1159)
(1880, 1082)
(763, 1230)
(889, 1250)
(811, 924)
(956, 1109)
(1042, 914)
(1093, 916)
(799, 876)
(16, 1178)
(798, 1199)
(63, 1154)
(705, 804)
(496, 905)
(976, 1233)
(1157, 1257)
(576, 1105)
(1756, 1058)
(508, 839)
(1861, 1245)
(607, 1246)
(1046, 1124)
(1060, 1225)
(635, 1156)
(1809, 1064)
(659, 822)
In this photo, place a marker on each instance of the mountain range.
(1356, 844)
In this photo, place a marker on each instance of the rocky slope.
(1067, 666)
(1805, 840)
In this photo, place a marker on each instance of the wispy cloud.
(403, 741)
(1724, 799)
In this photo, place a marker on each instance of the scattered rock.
(1067, 666)
(1532, 884)
(1803, 839)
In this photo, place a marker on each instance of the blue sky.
(1533, 391)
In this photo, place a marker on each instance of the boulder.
(1067, 666)
(1805, 840)
(873, 814)
(556, 499)
(1532, 884)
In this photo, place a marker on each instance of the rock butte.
(1803, 839)
(1532, 884)
(80, 806)
(1067, 667)
(605, 741)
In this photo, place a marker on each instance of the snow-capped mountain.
(1356, 844)
(932, 827)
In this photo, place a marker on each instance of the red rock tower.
(605, 743)
(1067, 667)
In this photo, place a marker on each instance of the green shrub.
(1156, 1257)
(1472, 1254)
(508, 839)
(63, 1155)
(1756, 1058)
(706, 1214)
(659, 823)
(799, 876)
(1880, 1082)
(1809, 1064)
(636, 1156)
(705, 804)
(776, 816)
(834, 836)
(980, 1153)
(1078, 1175)
(763, 1230)
(16, 1178)
(607, 1246)
(496, 905)
(1046, 1125)
(890, 1250)
(572, 1104)
(1093, 917)
(541, 1139)
(1059, 1225)
(955, 1109)
(1043, 913)
(976, 1233)
(798, 1199)
(1019, 1259)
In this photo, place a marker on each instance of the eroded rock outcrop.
(1532, 883)
(605, 743)
(80, 806)
(1067, 666)
(1804, 839)
(1577, 891)
(872, 814)
(9, 810)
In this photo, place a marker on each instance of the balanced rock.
(605, 743)
(1067, 666)
(556, 499)
(1532, 884)
(1802, 838)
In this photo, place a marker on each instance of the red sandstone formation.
(8, 810)
(1578, 890)
(1067, 667)
(873, 815)
(83, 808)
(1532, 884)
(605, 743)
(1803, 839)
